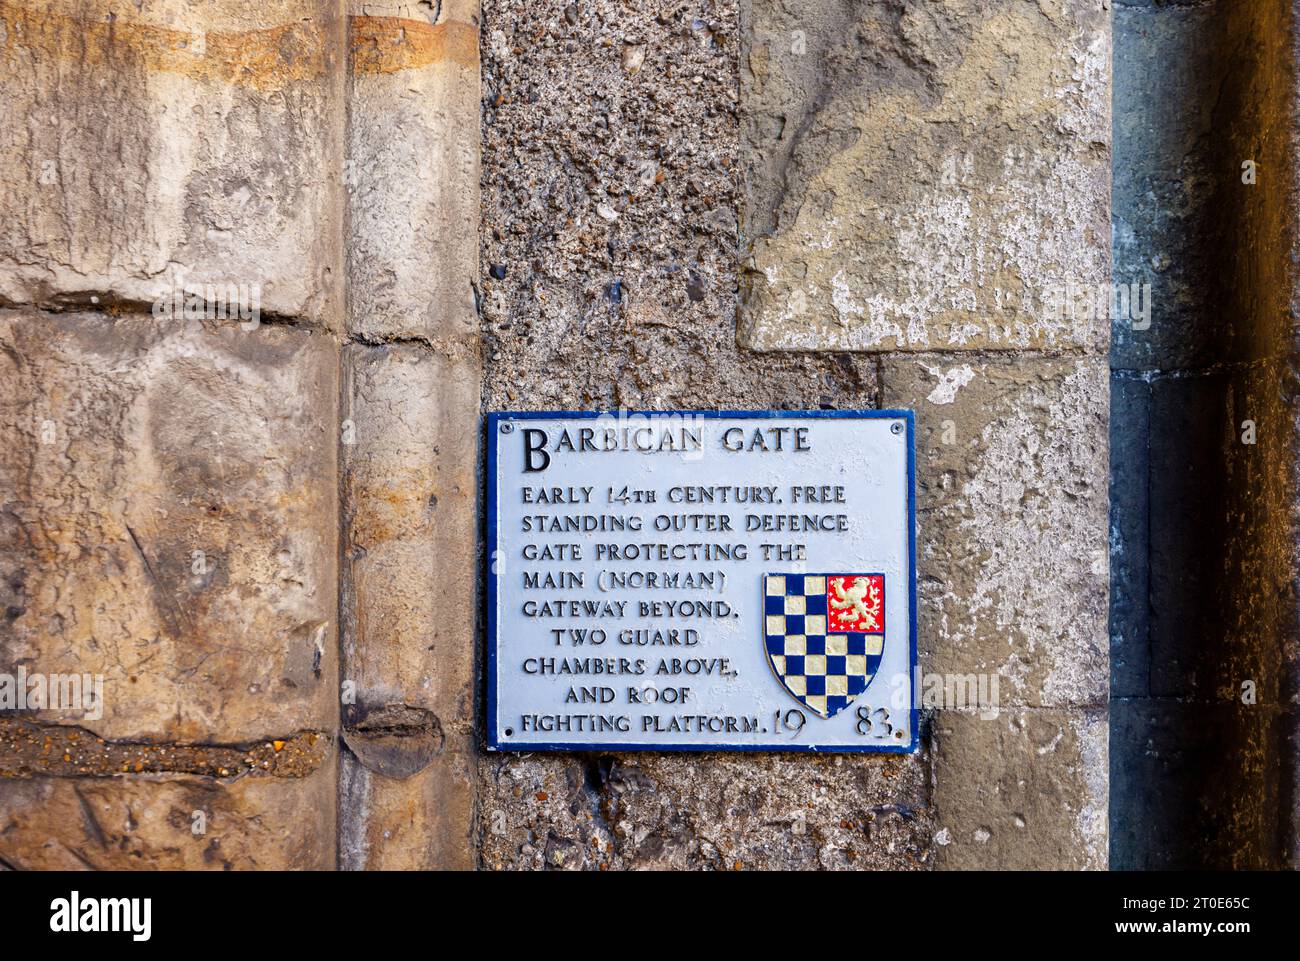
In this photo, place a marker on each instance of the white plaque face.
(701, 581)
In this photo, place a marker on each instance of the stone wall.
(891, 188)
(263, 531)
(409, 419)
(256, 520)
(170, 486)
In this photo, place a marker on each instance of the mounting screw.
(507, 427)
(896, 427)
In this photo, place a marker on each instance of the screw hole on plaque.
(510, 732)
(507, 428)
(896, 427)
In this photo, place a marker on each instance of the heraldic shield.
(824, 635)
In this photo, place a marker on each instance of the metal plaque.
(741, 580)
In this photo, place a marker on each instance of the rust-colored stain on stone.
(391, 44)
(267, 59)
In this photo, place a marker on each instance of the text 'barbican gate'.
(701, 581)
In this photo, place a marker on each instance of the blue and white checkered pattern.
(824, 671)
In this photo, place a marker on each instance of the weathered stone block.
(1257, 579)
(168, 824)
(1188, 531)
(169, 521)
(426, 822)
(409, 491)
(1026, 790)
(412, 171)
(1200, 784)
(1012, 494)
(1202, 158)
(1220, 539)
(410, 533)
(927, 176)
(161, 145)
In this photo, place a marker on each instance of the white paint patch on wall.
(945, 392)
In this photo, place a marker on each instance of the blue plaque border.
(495, 418)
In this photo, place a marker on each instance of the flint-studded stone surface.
(153, 145)
(610, 184)
(708, 812)
(193, 824)
(924, 175)
(169, 521)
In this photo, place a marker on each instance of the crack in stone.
(113, 305)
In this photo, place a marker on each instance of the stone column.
(170, 278)
(1204, 492)
(410, 405)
